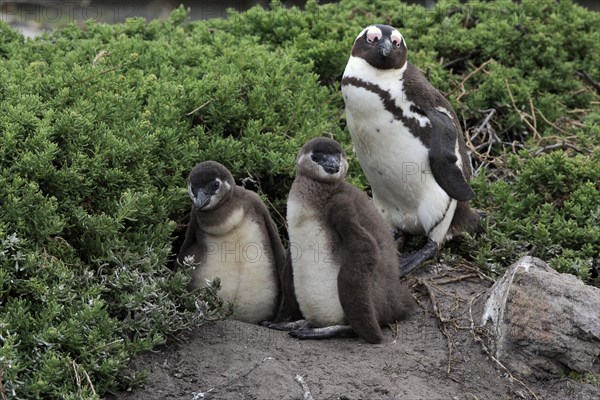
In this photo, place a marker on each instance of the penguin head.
(209, 185)
(322, 159)
(382, 46)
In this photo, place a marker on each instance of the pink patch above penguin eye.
(396, 39)
(373, 36)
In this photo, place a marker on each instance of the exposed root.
(429, 287)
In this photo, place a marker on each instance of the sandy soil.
(424, 357)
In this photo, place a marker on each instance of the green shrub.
(99, 127)
(549, 209)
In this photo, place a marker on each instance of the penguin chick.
(232, 236)
(409, 144)
(345, 267)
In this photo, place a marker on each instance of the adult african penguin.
(343, 256)
(409, 144)
(232, 236)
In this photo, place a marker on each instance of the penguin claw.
(412, 261)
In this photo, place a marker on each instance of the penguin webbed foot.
(285, 326)
(335, 331)
(410, 262)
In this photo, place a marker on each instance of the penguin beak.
(330, 163)
(385, 46)
(201, 200)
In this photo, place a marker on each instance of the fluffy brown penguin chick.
(231, 236)
(345, 266)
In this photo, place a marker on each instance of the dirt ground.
(433, 355)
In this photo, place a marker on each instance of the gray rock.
(544, 323)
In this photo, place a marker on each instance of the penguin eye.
(215, 185)
(373, 36)
(396, 39)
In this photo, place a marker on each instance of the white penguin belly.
(395, 163)
(236, 253)
(315, 267)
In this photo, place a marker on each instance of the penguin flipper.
(275, 241)
(287, 305)
(289, 309)
(191, 234)
(358, 261)
(442, 158)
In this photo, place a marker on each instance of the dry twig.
(479, 273)
(551, 124)
(306, 395)
(529, 120)
(485, 136)
(99, 56)
(78, 378)
(448, 280)
(207, 102)
(461, 85)
(555, 146)
(589, 80)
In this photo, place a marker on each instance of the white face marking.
(362, 33)
(317, 172)
(397, 38)
(373, 34)
(224, 187)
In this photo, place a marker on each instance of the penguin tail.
(465, 220)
